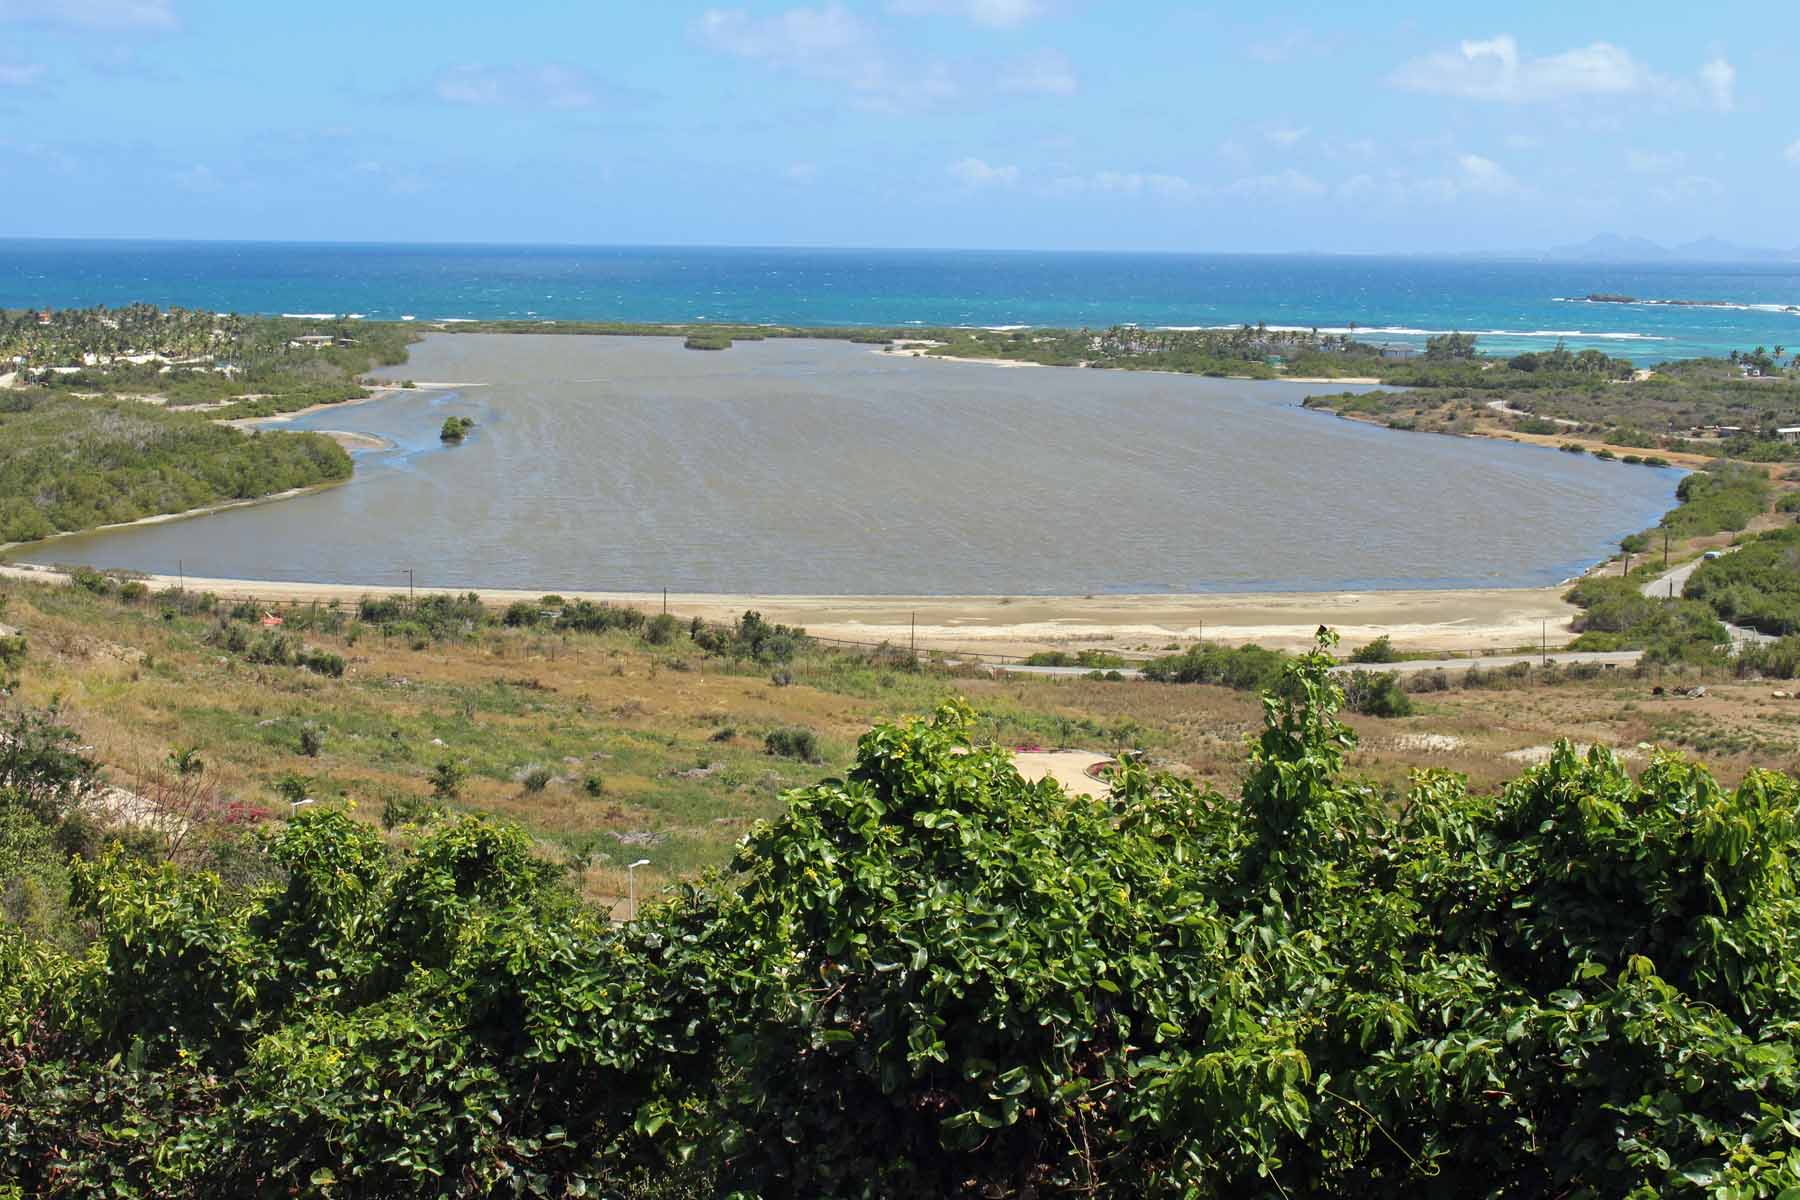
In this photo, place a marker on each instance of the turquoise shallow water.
(797, 466)
(1512, 305)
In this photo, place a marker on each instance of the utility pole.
(665, 600)
(181, 574)
(1665, 547)
(411, 601)
(915, 633)
(1544, 642)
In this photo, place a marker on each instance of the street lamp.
(297, 805)
(631, 883)
(410, 603)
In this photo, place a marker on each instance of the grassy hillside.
(70, 463)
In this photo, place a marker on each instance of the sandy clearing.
(898, 351)
(1068, 767)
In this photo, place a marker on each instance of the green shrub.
(312, 740)
(1246, 668)
(792, 743)
(91, 580)
(447, 779)
(407, 810)
(1376, 694)
(536, 779)
(1096, 660)
(661, 629)
(321, 662)
(1381, 650)
(522, 614)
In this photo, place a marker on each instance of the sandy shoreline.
(1467, 619)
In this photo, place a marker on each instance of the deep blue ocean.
(1511, 305)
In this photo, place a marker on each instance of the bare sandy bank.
(1472, 619)
(356, 441)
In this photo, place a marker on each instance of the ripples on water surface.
(822, 467)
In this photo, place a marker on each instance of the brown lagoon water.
(822, 467)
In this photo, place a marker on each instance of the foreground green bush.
(930, 978)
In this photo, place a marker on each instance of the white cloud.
(549, 85)
(974, 173)
(20, 74)
(1283, 185)
(1688, 189)
(1485, 175)
(1719, 79)
(1494, 69)
(1469, 175)
(1654, 162)
(795, 36)
(1286, 137)
(197, 178)
(995, 14)
(1127, 184)
(1792, 153)
(1289, 46)
(89, 14)
(1046, 73)
(829, 43)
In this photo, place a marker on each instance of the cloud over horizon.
(89, 14)
(996, 14)
(1493, 69)
(546, 85)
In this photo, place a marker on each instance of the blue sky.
(991, 123)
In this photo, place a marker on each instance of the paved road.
(1671, 582)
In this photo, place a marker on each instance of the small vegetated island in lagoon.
(455, 429)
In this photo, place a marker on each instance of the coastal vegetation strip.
(69, 463)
